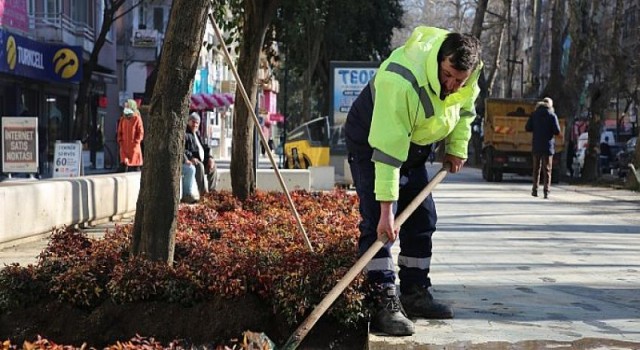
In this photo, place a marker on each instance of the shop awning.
(208, 102)
(276, 117)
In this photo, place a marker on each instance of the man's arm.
(386, 222)
(390, 132)
(556, 124)
(529, 126)
(188, 153)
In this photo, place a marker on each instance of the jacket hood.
(546, 103)
(426, 41)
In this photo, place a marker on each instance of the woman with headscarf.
(130, 135)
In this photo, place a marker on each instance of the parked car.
(614, 147)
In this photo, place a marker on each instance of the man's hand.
(387, 220)
(456, 162)
(210, 164)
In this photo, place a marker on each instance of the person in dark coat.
(197, 153)
(543, 123)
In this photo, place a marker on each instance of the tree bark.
(478, 20)
(157, 206)
(496, 62)
(313, 51)
(537, 42)
(610, 64)
(257, 16)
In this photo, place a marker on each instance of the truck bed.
(506, 144)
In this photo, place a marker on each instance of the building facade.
(45, 44)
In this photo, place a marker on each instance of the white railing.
(53, 26)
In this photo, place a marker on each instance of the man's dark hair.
(464, 51)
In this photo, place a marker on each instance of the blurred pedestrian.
(571, 155)
(605, 155)
(197, 154)
(130, 135)
(543, 123)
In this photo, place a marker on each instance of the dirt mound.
(204, 325)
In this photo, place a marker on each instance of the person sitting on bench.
(197, 154)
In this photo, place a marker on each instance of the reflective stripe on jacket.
(407, 108)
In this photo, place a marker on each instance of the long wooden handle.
(243, 92)
(296, 338)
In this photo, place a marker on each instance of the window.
(80, 11)
(142, 20)
(31, 7)
(158, 19)
(52, 8)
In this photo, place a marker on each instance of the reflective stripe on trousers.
(415, 234)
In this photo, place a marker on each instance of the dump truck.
(506, 144)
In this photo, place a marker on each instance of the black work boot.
(389, 317)
(546, 194)
(534, 193)
(418, 302)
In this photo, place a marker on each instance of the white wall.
(30, 208)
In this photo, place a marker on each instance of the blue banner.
(42, 61)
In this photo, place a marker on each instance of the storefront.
(40, 80)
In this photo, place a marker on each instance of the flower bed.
(237, 266)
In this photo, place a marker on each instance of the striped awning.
(208, 102)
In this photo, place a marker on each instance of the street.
(526, 271)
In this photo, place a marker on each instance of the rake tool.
(296, 338)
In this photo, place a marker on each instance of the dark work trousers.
(415, 233)
(542, 165)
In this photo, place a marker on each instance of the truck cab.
(308, 145)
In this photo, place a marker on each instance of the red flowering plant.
(224, 249)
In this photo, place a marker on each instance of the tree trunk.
(496, 62)
(157, 206)
(535, 57)
(478, 20)
(608, 53)
(257, 16)
(313, 52)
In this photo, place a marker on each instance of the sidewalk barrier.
(33, 208)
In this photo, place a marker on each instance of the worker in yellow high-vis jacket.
(423, 93)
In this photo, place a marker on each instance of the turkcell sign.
(348, 78)
(32, 59)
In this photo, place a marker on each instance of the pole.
(286, 99)
(247, 100)
(256, 141)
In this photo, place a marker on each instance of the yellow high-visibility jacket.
(407, 108)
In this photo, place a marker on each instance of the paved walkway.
(521, 272)
(528, 273)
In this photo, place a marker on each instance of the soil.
(204, 325)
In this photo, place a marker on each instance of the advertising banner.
(347, 80)
(13, 14)
(28, 58)
(20, 144)
(67, 159)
